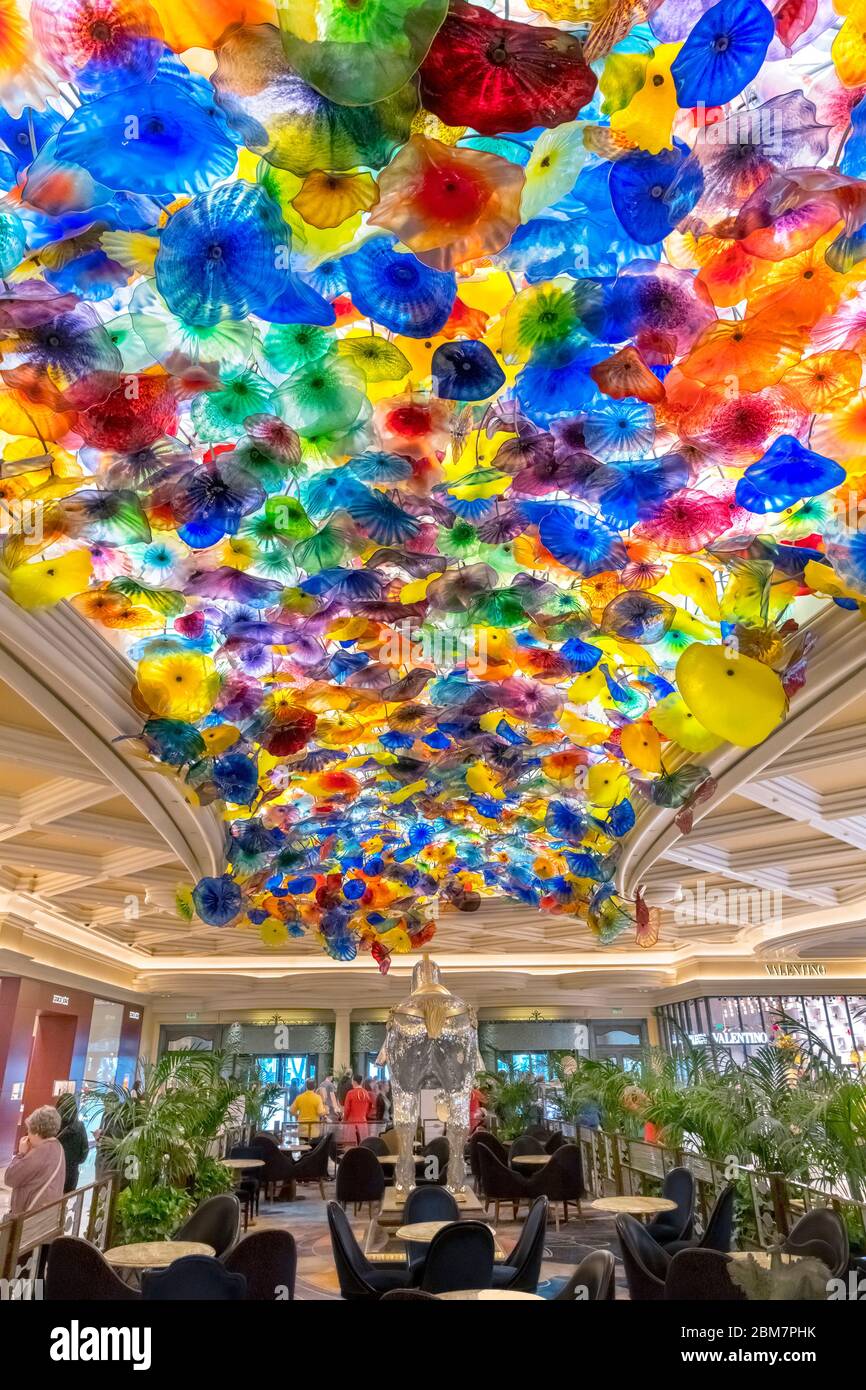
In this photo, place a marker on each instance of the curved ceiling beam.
(57, 661)
(836, 676)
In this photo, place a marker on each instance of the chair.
(646, 1263)
(483, 1138)
(279, 1167)
(561, 1180)
(391, 1139)
(826, 1226)
(313, 1166)
(416, 1296)
(193, 1277)
(268, 1261)
(440, 1149)
(359, 1279)
(679, 1187)
(460, 1257)
(522, 1269)
(430, 1202)
(499, 1183)
(360, 1179)
(375, 1145)
(554, 1142)
(78, 1272)
(701, 1276)
(217, 1222)
(526, 1144)
(594, 1280)
(720, 1226)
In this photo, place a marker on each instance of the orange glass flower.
(751, 353)
(826, 380)
(449, 205)
(326, 200)
(625, 374)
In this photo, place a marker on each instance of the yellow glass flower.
(326, 200)
(180, 685)
(44, 583)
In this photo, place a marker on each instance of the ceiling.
(94, 842)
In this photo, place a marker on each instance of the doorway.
(50, 1059)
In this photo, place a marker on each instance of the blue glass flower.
(581, 542)
(236, 778)
(723, 53)
(397, 291)
(217, 900)
(466, 371)
(651, 194)
(629, 490)
(637, 617)
(786, 474)
(156, 138)
(223, 256)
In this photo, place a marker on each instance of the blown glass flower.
(497, 75)
(448, 205)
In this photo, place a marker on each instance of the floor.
(317, 1279)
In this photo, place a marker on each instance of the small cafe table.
(154, 1254)
(641, 1207)
(491, 1296)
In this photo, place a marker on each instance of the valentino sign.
(731, 1037)
(794, 969)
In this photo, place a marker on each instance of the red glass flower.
(138, 411)
(449, 205)
(497, 75)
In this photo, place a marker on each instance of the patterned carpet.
(317, 1279)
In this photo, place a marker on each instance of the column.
(342, 1039)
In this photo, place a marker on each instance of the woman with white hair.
(37, 1171)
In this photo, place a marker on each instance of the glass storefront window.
(742, 1024)
(525, 1063)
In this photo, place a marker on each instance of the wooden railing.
(86, 1212)
(614, 1165)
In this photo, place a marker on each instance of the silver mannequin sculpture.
(431, 1041)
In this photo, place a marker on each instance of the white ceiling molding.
(57, 661)
(836, 677)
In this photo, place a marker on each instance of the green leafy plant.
(511, 1097)
(261, 1100)
(210, 1178)
(144, 1214)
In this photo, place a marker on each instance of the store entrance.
(291, 1071)
(50, 1059)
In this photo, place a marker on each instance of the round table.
(537, 1160)
(763, 1258)
(422, 1232)
(154, 1254)
(387, 1159)
(492, 1295)
(295, 1148)
(640, 1207)
(242, 1163)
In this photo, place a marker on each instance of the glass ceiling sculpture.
(456, 412)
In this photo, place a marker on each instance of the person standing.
(355, 1107)
(328, 1093)
(308, 1108)
(73, 1140)
(37, 1171)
